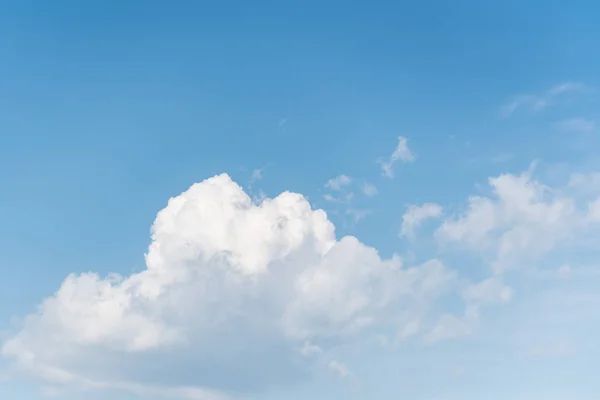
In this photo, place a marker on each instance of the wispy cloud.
(577, 124)
(401, 153)
(257, 175)
(344, 198)
(415, 215)
(369, 189)
(338, 182)
(282, 125)
(339, 368)
(341, 194)
(357, 215)
(502, 158)
(310, 350)
(540, 101)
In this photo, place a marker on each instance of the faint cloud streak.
(538, 102)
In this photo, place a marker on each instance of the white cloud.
(257, 175)
(401, 153)
(410, 329)
(338, 182)
(342, 198)
(228, 283)
(310, 350)
(521, 221)
(585, 183)
(517, 226)
(538, 102)
(449, 327)
(339, 368)
(369, 189)
(476, 296)
(567, 87)
(357, 215)
(415, 215)
(491, 290)
(577, 125)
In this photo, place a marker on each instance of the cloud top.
(227, 282)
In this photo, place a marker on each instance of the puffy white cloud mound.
(228, 283)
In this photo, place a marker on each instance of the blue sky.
(457, 143)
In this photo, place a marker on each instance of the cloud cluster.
(521, 221)
(228, 283)
(515, 229)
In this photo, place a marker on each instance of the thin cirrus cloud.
(541, 101)
(577, 125)
(358, 215)
(402, 153)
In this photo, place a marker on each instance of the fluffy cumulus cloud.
(415, 215)
(522, 220)
(522, 227)
(227, 283)
(230, 283)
